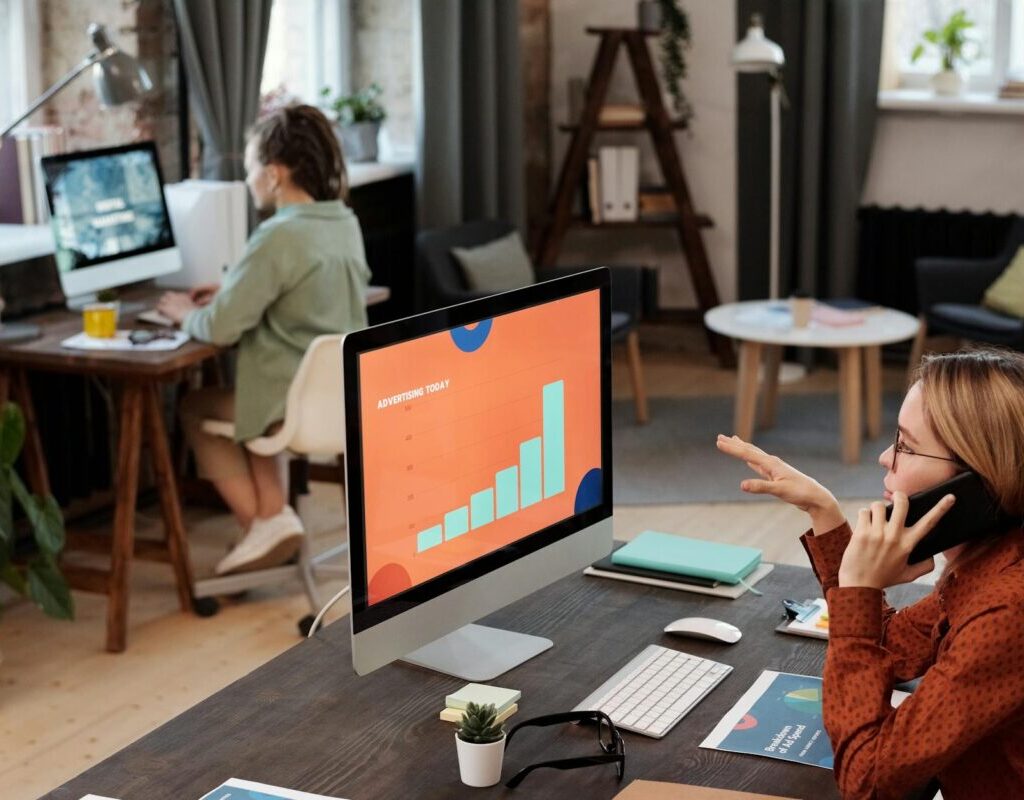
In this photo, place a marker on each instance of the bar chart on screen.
(475, 438)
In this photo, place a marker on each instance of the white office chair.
(314, 425)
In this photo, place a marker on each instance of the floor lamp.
(118, 78)
(756, 53)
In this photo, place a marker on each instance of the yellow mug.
(100, 320)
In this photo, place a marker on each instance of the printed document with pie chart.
(477, 437)
(779, 717)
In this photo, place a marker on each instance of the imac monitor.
(109, 218)
(478, 470)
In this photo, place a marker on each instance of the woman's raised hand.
(779, 479)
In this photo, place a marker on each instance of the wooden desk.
(139, 375)
(306, 721)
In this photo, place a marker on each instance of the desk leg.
(170, 504)
(873, 390)
(127, 478)
(770, 399)
(746, 390)
(35, 460)
(850, 423)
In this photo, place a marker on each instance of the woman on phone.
(965, 640)
(303, 274)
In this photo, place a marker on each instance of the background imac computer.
(109, 218)
(478, 468)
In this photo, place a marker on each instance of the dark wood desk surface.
(46, 353)
(306, 721)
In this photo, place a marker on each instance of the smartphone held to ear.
(974, 515)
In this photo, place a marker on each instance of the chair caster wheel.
(305, 624)
(205, 606)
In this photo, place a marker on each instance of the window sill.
(924, 100)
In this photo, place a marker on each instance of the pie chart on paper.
(806, 701)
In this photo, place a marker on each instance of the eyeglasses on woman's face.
(899, 446)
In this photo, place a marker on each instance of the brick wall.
(144, 28)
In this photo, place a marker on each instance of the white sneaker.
(268, 543)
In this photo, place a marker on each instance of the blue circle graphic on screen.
(469, 340)
(588, 493)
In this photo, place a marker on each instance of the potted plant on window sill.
(952, 40)
(357, 119)
(480, 744)
(39, 578)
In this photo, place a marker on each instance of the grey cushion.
(496, 266)
(978, 317)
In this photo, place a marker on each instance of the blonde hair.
(974, 403)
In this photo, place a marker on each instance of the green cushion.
(1006, 295)
(496, 266)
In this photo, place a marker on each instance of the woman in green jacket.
(303, 274)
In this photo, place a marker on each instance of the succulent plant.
(479, 726)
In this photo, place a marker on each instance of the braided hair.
(301, 138)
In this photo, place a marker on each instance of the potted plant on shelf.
(40, 578)
(480, 744)
(668, 17)
(952, 40)
(357, 118)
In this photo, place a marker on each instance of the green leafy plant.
(361, 106)
(40, 578)
(951, 39)
(107, 296)
(479, 726)
(675, 41)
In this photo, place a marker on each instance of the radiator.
(890, 240)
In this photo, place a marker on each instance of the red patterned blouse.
(964, 724)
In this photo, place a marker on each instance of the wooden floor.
(66, 704)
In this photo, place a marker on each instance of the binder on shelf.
(608, 170)
(629, 181)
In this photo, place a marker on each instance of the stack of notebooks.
(505, 701)
(679, 562)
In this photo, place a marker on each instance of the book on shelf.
(621, 114)
(655, 201)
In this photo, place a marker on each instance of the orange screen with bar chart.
(476, 437)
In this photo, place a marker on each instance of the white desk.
(858, 347)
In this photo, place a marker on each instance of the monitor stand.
(125, 307)
(478, 653)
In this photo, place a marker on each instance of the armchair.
(442, 283)
(950, 291)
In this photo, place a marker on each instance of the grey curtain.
(223, 43)
(469, 155)
(833, 52)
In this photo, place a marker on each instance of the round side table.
(759, 328)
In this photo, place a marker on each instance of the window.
(345, 45)
(996, 41)
(19, 58)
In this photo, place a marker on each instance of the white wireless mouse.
(705, 628)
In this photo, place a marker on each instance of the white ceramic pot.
(948, 83)
(480, 764)
(359, 141)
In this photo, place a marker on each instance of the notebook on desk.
(666, 552)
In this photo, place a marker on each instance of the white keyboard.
(154, 317)
(655, 690)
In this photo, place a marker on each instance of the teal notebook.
(728, 563)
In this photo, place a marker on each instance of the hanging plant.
(675, 41)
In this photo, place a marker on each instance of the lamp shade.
(757, 53)
(118, 77)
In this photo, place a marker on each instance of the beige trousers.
(217, 457)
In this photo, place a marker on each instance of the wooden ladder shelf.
(657, 121)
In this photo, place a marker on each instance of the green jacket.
(303, 274)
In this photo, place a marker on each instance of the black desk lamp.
(117, 76)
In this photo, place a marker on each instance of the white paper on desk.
(120, 341)
(96, 797)
(237, 789)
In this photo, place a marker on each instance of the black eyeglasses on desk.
(607, 736)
